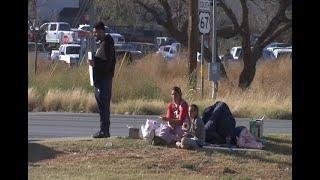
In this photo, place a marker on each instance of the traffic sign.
(204, 23)
(204, 5)
(204, 8)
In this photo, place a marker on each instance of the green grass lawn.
(135, 159)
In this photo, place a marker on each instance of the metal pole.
(214, 53)
(201, 66)
(36, 54)
(35, 36)
(213, 32)
(91, 25)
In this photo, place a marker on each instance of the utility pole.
(192, 39)
(204, 28)
(35, 23)
(214, 66)
(92, 18)
(91, 41)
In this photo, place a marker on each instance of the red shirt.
(178, 112)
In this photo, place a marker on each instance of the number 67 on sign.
(204, 23)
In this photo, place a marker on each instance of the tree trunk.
(249, 69)
(247, 74)
(192, 45)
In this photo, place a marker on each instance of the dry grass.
(151, 79)
(74, 100)
(135, 159)
(140, 106)
(33, 99)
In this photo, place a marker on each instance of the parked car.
(162, 41)
(117, 38)
(145, 48)
(81, 34)
(36, 35)
(87, 27)
(199, 57)
(54, 55)
(41, 52)
(168, 52)
(58, 33)
(271, 46)
(236, 52)
(70, 53)
(132, 52)
(271, 50)
(282, 52)
(177, 46)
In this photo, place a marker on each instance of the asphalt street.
(43, 125)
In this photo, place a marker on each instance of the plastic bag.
(247, 140)
(148, 130)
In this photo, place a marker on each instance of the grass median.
(144, 88)
(123, 158)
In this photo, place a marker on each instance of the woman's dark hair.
(178, 90)
(99, 25)
(195, 107)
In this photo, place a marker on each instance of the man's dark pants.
(103, 97)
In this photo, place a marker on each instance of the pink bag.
(247, 140)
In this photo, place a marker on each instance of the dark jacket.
(219, 123)
(104, 60)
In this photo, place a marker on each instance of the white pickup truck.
(69, 53)
(58, 33)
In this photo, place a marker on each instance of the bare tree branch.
(226, 32)
(276, 33)
(230, 14)
(167, 9)
(245, 11)
(257, 5)
(168, 23)
(154, 13)
(277, 19)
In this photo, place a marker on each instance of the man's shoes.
(101, 134)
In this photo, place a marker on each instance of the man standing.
(103, 64)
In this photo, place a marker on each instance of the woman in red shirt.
(177, 115)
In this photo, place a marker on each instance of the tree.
(277, 25)
(164, 16)
(113, 13)
(192, 37)
(265, 20)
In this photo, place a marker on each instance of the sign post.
(204, 28)
(214, 68)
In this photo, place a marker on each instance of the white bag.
(247, 140)
(148, 130)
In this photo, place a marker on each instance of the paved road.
(42, 125)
